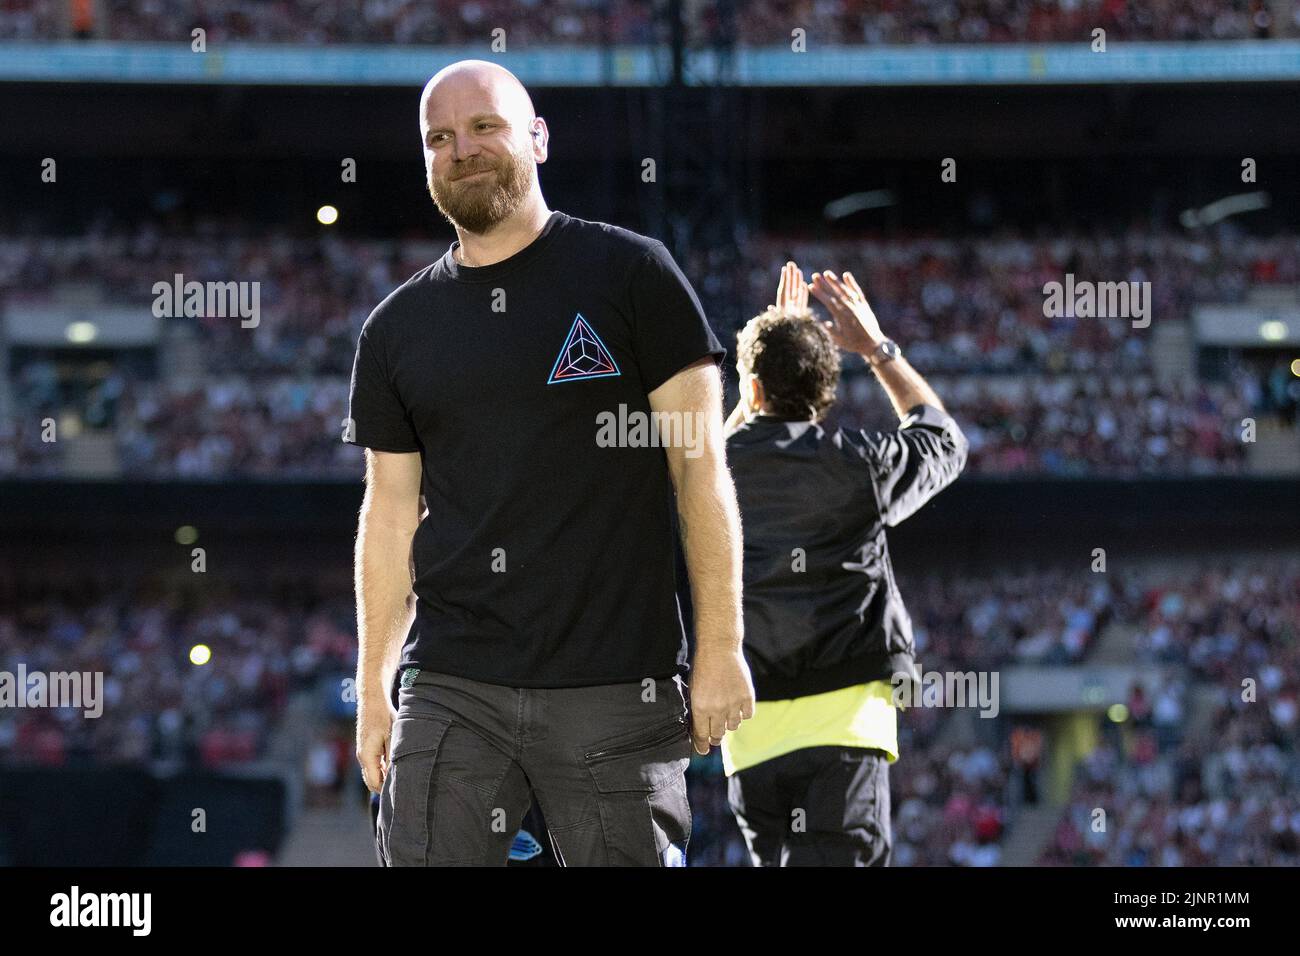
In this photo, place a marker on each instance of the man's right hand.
(374, 729)
(853, 326)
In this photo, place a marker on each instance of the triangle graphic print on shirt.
(583, 356)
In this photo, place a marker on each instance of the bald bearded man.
(543, 653)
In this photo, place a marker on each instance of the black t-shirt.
(546, 560)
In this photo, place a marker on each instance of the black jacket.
(822, 609)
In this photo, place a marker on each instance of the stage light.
(200, 654)
(187, 534)
(1272, 330)
(1117, 713)
(70, 425)
(80, 333)
(327, 215)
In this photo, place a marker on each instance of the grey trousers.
(606, 764)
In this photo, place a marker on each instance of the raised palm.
(791, 290)
(853, 325)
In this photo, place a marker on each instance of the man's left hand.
(722, 695)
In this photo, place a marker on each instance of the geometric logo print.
(583, 356)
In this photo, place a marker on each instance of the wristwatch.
(886, 351)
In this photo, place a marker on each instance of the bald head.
(487, 84)
(482, 142)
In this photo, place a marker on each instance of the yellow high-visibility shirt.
(859, 716)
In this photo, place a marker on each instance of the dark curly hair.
(794, 359)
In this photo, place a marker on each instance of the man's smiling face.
(480, 151)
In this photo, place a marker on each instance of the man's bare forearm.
(722, 693)
(385, 602)
(905, 386)
(711, 539)
(706, 506)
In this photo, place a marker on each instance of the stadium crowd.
(590, 22)
(160, 707)
(1080, 425)
(977, 303)
(1049, 617)
(1229, 623)
(1227, 799)
(1172, 798)
(1066, 395)
(157, 705)
(1225, 793)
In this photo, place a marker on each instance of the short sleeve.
(670, 331)
(378, 417)
(913, 463)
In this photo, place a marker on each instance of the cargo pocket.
(640, 786)
(405, 814)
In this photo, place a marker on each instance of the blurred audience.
(1226, 790)
(590, 22)
(1066, 396)
(158, 705)
(1172, 796)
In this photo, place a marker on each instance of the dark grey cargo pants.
(607, 765)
